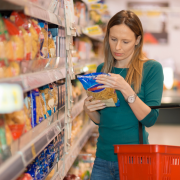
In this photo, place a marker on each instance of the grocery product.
(54, 91)
(106, 95)
(51, 46)
(48, 98)
(43, 39)
(25, 176)
(36, 107)
(61, 94)
(8, 67)
(17, 39)
(23, 26)
(35, 33)
(43, 163)
(16, 121)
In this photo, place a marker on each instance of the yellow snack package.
(51, 46)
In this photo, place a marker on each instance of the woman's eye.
(113, 39)
(125, 42)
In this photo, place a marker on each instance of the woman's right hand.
(91, 106)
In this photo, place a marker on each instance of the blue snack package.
(106, 95)
(36, 107)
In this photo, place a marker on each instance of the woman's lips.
(118, 54)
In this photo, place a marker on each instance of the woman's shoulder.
(100, 67)
(152, 65)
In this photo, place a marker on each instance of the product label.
(109, 102)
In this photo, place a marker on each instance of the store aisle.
(164, 134)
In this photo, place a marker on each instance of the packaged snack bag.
(48, 98)
(17, 39)
(35, 34)
(43, 39)
(107, 95)
(51, 46)
(23, 26)
(16, 123)
(36, 107)
(54, 92)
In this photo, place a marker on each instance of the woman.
(138, 82)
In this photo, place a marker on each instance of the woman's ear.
(138, 40)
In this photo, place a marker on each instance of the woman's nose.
(118, 45)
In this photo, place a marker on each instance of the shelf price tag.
(92, 1)
(93, 30)
(95, 6)
(11, 98)
(33, 150)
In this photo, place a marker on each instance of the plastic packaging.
(48, 98)
(36, 107)
(35, 33)
(23, 26)
(43, 39)
(106, 95)
(17, 39)
(16, 123)
(144, 162)
(8, 67)
(51, 46)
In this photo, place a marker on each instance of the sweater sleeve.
(153, 84)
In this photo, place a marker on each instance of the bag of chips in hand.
(106, 95)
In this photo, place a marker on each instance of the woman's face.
(122, 42)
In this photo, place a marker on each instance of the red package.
(16, 130)
(25, 176)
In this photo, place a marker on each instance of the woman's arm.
(91, 108)
(139, 108)
(153, 87)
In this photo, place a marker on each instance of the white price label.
(11, 98)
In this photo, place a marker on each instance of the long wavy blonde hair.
(134, 74)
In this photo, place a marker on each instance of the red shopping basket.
(148, 162)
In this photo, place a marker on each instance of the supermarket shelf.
(84, 66)
(95, 37)
(74, 151)
(41, 10)
(33, 80)
(78, 108)
(31, 144)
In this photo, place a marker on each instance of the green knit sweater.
(119, 125)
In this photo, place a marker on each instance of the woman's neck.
(121, 64)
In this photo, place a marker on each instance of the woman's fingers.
(105, 82)
(95, 109)
(104, 86)
(96, 105)
(88, 98)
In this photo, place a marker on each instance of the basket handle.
(140, 133)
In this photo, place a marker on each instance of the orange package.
(6, 52)
(35, 31)
(23, 26)
(17, 39)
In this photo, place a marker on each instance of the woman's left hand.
(114, 81)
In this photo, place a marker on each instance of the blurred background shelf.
(74, 151)
(44, 10)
